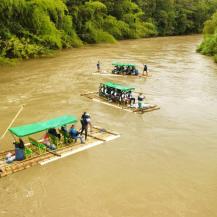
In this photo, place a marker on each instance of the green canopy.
(37, 127)
(118, 86)
(123, 64)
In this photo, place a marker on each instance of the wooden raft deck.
(120, 75)
(96, 137)
(96, 98)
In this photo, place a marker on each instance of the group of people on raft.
(125, 70)
(125, 98)
(72, 132)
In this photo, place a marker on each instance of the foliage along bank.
(209, 44)
(31, 28)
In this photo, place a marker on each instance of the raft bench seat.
(28, 152)
(41, 148)
(67, 139)
(55, 140)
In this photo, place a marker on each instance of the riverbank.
(54, 53)
(209, 45)
(56, 24)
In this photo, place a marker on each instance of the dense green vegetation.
(31, 28)
(209, 44)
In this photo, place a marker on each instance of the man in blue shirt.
(75, 134)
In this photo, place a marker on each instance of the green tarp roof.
(123, 64)
(118, 86)
(37, 127)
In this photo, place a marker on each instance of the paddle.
(88, 93)
(104, 130)
(54, 153)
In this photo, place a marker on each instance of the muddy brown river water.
(163, 165)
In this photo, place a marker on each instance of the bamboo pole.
(88, 93)
(14, 119)
(107, 131)
(96, 137)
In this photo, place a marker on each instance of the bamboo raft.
(94, 96)
(119, 75)
(96, 137)
(128, 70)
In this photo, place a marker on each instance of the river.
(163, 165)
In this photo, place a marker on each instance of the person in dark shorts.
(84, 124)
(98, 66)
(145, 70)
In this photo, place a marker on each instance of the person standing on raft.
(85, 122)
(98, 66)
(145, 70)
(140, 101)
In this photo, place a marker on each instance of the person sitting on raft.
(132, 99)
(115, 70)
(47, 143)
(19, 152)
(121, 70)
(114, 96)
(134, 71)
(101, 90)
(64, 129)
(110, 97)
(9, 158)
(123, 98)
(75, 134)
(128, 70)
(53, 132)
(106, 92)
